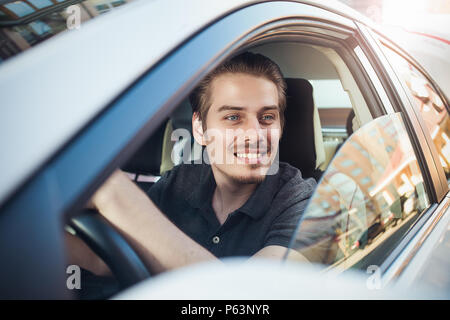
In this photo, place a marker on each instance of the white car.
(83, 93)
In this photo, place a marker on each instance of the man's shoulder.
(290, 174)
(293, 185)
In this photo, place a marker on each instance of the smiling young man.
(243, 203)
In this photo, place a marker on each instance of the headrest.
(301, 144)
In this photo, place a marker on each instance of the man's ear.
(197, 129)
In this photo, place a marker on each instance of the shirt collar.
(260, 200)
(255, 206)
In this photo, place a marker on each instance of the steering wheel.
(109, 245)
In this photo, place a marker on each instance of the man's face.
(242, 126)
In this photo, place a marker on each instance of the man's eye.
(268, 117)
(232, 117)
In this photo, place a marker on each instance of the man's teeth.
(248, 155)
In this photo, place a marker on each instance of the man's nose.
(254, 131)
(253, 124)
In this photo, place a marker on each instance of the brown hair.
(248, 63)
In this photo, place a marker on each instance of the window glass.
(46, 19)
(429, 104)
(366, 200)
(19, 8)
(40, 3)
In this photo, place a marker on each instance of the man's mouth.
(251, 157)
(248, 155)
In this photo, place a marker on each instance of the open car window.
(367, 199)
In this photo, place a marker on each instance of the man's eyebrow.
(237, 108)
(226, 108)
(269, 108)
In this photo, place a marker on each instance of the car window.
(429, 103)
(367, 199)
(335, 113)
(24, 24)
(333, 104)
(339, 105)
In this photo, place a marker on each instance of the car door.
(32, 217)
(431, 107)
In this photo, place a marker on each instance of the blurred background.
(422, 27)
(422, 16)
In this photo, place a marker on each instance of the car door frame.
(403, 102)
(63, 184)
(397, 262)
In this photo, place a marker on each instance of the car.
(91, 86)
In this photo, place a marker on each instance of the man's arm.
(161, 245)
(283, 227)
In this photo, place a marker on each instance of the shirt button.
(216, 240)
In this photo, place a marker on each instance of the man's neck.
(229, 195)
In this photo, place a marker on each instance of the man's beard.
(248, 180)
(251, 179)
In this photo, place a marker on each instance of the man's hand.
(111, 192)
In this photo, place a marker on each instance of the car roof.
(51, 91)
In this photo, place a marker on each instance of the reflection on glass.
(19, 8)
(40, 28)
(429, 104)
(24, 24)
(40, 3)
(350, 214)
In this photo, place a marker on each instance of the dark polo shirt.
(269, 217)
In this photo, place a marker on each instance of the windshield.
(24, 24)
(366, 200)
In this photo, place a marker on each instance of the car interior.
(306, 68)
(313, 74)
